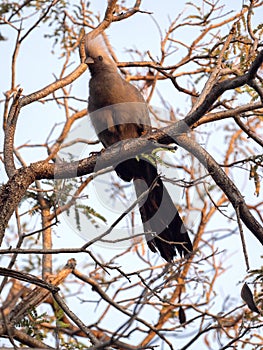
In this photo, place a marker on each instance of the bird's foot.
(97, 153)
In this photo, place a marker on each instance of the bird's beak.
(89, 60)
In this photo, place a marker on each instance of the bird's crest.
(96, 47)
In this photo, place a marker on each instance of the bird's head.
(97, 55)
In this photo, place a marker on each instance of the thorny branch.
(160, 288)
(44, 170)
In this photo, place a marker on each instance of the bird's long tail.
(162, 223)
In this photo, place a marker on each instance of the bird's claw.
(97, 153)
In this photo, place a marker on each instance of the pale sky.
(36, 68)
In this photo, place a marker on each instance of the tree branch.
(37, 295)
(12, 192)
(219, 88)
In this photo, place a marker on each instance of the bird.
(118, 112)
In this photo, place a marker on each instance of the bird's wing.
(121, 121)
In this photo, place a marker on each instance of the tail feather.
(163, 225)
(162, 222)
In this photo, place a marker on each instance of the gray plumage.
(118, 112)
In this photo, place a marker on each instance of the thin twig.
(241, 232)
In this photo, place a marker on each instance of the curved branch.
(75, 318)
(219, 88)
(26, 277)
(109, 18)
(37, 295)
(49, 89)
(230, 113)
(224, 182)
(12, 192)
(249, 132)
(96, 287)
(21, 102)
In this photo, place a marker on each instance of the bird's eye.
(100, 58)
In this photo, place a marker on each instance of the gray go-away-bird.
(118, 112)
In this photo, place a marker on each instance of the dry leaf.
(182, 317)
(247, 296)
